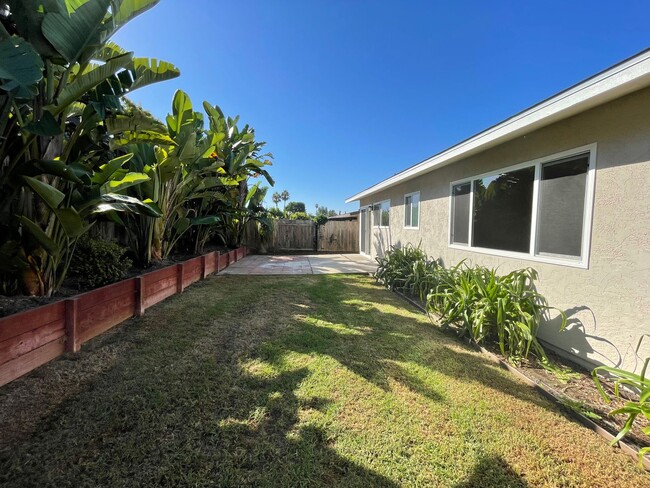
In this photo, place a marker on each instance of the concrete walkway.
(303, 264)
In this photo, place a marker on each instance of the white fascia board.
(620, 80)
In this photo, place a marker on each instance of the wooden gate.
(293, 235)
(339, 236)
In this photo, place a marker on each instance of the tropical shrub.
(407, 268)
(58, 171)
(485, 306)
(489, 307)
(640, 385)
(98, 262)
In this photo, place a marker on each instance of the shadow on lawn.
(181, 412)
(375, 344)
(492, 472)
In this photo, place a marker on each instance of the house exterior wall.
(608, 304)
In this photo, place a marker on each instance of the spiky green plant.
(638, 384)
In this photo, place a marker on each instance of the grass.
(290, 381)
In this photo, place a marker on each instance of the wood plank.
(223, 261)
(15, 368)
(105, 293)
(19, 323)
(160, 274)
(153, 288)
(157, 297)
(192, 271)
(105, 315)
(24, 343)
(211, 262)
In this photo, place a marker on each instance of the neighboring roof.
(346, 216)
(621, 79)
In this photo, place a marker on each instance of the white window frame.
(412, 227)
(373, 215)
(532, 254)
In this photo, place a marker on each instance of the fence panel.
(339, 236)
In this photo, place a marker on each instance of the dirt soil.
(580, 388)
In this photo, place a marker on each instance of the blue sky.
(347, 93)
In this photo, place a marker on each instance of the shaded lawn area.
(290, 381)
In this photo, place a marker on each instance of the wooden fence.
(34, 337)
(339, 236)
(306, 236)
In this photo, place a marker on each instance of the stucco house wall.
(608, 304)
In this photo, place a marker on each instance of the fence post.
(203, 260)
(71, 333)
(139, 296)
(179, 278)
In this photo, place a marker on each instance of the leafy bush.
(320, 219)
(408, 269)
(487, 307)
(632, 408)
(298, 216)
(98, 262)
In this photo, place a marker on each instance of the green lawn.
(290, 381)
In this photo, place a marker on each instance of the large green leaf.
(148, 71)
(71, 222)
(73, 33)
(182, 112)
(21, 68)
(131, 8)
(131, 123)
(50, 195)
(108, 51)
(130, 179)
(118, 203)
(47, 126)
(87, 81)
(44, 240)
(142, 136)
(107, 170)
(52, 167)
(28, 16)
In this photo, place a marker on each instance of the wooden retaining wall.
(32, 338)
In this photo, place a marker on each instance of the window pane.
(561, 206)
(376, 215)
(385, 209)
(407, 211)
(460, 213)
(503, 209)
(415, 210)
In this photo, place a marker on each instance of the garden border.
(34, 337)
(548, 393)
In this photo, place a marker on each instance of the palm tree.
(284, 196)
(276, 198)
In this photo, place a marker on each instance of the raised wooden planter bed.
(34, 337)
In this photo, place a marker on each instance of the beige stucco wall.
(608, 304)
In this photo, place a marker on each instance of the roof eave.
(624, 78)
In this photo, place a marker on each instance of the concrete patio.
(303, 264)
